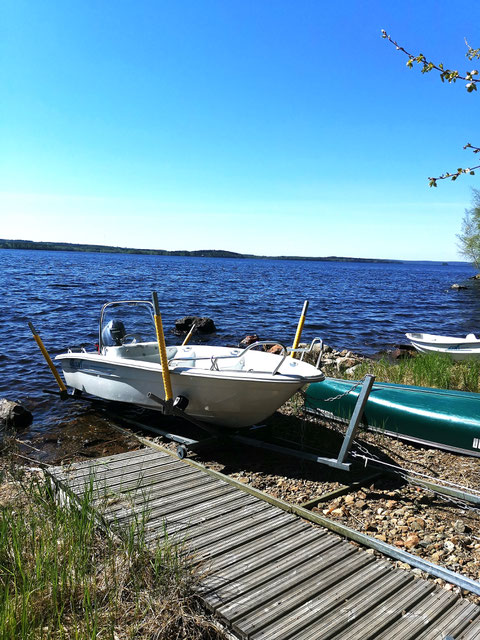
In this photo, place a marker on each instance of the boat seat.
(225, 365)
(190, 360)
(171, 352)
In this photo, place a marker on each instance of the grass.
(63, 577)
(425, 370)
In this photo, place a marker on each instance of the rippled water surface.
(365, 307)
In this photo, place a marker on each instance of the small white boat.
(224, 386)
(457, 348)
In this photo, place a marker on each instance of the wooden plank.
(219, 578)
(180, 523)
(274, 610)
(386, 612)
(257, 545)
(112, 463)
(144, 495)
(342, 581)
(161, 507)
(236, 532)
(194, 515)
(126, 481)
(231, 600)
(61, 470)
(340, 618)
(242, 511)
(472, 632)
(258, 599)
(420, 617)
(102, 473)
(453, 622)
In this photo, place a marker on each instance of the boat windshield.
(126, 322)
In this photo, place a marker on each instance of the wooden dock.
(271, 575)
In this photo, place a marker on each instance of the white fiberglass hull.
(238, 395)
(458, 349)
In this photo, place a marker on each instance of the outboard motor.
(113, 333)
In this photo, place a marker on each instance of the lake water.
(365, 307)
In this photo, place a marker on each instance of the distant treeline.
(203, 253)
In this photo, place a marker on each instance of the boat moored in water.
(457, 348)
(224, 386)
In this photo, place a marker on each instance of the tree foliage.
(469, 238)
(451, 76)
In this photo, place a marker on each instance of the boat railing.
(309, 349)
(285, 351)
(237, 355)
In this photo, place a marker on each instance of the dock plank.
(387, 611)
(276, 550)
(454, 622)
(416, 619)
(338, 584)
(242, 596)
(279, 608)
(349, 611)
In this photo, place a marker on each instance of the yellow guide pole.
(38, 340)
(301, 322)
(189, 335)
(162, 349)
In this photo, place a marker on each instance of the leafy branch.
(450, 75)
(459, 171)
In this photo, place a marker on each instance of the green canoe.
(436, 417)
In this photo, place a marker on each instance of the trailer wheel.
(182, 451)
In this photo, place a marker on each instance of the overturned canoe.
(440, 418)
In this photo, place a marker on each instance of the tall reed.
(425, 370)
(63, 577)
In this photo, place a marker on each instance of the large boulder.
(202, 325)
(13, 416)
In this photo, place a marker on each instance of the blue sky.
(268, 126)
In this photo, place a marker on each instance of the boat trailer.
(216, 435)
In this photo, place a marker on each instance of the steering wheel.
(134, 337)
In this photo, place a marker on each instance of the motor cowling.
(113, 333)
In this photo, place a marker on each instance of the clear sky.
(259, 126)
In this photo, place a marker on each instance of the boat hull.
(441, 418)
(458, 349)
(233, 399)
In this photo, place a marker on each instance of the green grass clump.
(61, 576)
(425, 370)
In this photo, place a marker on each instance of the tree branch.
(450, 75)
(459, 171)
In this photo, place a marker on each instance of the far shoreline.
(201, 253)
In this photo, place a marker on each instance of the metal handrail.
(286, 351)
(309, 349)
(261, 343)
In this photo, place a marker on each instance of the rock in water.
(13, 415)
(248, 340)
(202, 325)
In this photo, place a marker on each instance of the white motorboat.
(223, 386)
(457, 348)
